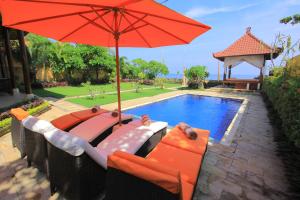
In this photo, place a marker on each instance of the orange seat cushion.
(84, 115)
(65, 122)
(148, 170)
(19, 113)
(177, 138)
(188, 163)
(187, 190)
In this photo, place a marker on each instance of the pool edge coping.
(234, 124)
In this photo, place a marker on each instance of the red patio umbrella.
(109, 23)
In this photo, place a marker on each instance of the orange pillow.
(87, 114)
(19, 113)
(65, 122)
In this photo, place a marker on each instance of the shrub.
(40, 85)
(92, 92)
(277, 71)
(284, 95)
(148, 82)
(212, 83)
(5, 122)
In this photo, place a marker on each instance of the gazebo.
(248, 49)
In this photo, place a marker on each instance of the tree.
(139, 63)
(128, 70)
(39, 48)
(154, 69)
(97, 60)
(196, 76)
(288, 47)
(294, 19)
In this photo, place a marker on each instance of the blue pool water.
(211, 113)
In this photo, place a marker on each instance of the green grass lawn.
(70, 91)
(111, 98)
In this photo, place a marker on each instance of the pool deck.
(247, 168)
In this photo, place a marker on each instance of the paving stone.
(247, 169)
(252, 195)
(254, 178)
(228, 196)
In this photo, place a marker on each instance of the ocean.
(211, 76)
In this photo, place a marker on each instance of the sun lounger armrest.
(133, 177)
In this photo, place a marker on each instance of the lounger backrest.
(124, 116)
(73, 145)
(37, 125)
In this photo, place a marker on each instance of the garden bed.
(35, 108)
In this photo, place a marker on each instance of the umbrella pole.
(118, 80)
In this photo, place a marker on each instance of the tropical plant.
(127, 69)
(97, 60)
(160, 82)
(91, 90)
(294, 19)
(196, 76)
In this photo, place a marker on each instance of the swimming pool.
(211, 113)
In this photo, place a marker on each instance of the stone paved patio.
(247, 169)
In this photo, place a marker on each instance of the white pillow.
(37, 125)
(73, 145)
(154, 126)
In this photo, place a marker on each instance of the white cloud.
(202, 11)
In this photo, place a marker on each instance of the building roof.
(247, 45)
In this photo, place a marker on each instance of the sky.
(229, 20)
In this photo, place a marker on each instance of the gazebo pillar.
(225, 73)
(261, 76)
(25, 65)
(9, 57)
(229, 73)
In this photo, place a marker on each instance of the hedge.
(284, 95)
(5, 123)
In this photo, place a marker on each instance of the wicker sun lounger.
(169, 172)
(35, 143)
(76, 169)
(17, 129)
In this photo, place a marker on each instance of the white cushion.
(154, 126)
(128, 138)
(37, 125)
(73, 145)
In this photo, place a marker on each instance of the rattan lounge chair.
(17, 129)
(169, 172)
(35, 143)
(78, 170)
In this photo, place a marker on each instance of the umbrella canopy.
(109, 23)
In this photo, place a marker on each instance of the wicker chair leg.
(28, 163)
(52, 188)
(23, 155)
